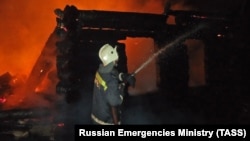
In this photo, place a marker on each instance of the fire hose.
(177, 40)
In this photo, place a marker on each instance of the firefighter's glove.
(129, 78)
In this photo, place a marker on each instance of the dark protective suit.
(107, 93)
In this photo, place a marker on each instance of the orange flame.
(27, 26)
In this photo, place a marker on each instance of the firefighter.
(109, 87)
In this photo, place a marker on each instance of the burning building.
(68, 60)
(82, 34)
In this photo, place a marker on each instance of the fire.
(139, 49)
(26, 29)
(3, 100)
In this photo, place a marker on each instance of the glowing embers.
(2, 100)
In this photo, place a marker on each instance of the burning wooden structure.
(82, 32)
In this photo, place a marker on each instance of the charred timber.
(119, 25)
(122, 20)
(13, 126)
(24, 113)
(5, 86)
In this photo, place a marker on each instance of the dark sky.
(225, 6)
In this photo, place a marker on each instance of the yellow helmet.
(108, 54)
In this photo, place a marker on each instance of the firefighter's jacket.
(107, 92)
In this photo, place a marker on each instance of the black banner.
(166, 131)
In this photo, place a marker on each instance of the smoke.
(27, 24)
(24, 32)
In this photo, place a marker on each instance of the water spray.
(182, 37)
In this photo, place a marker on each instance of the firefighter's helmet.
(108, 54)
